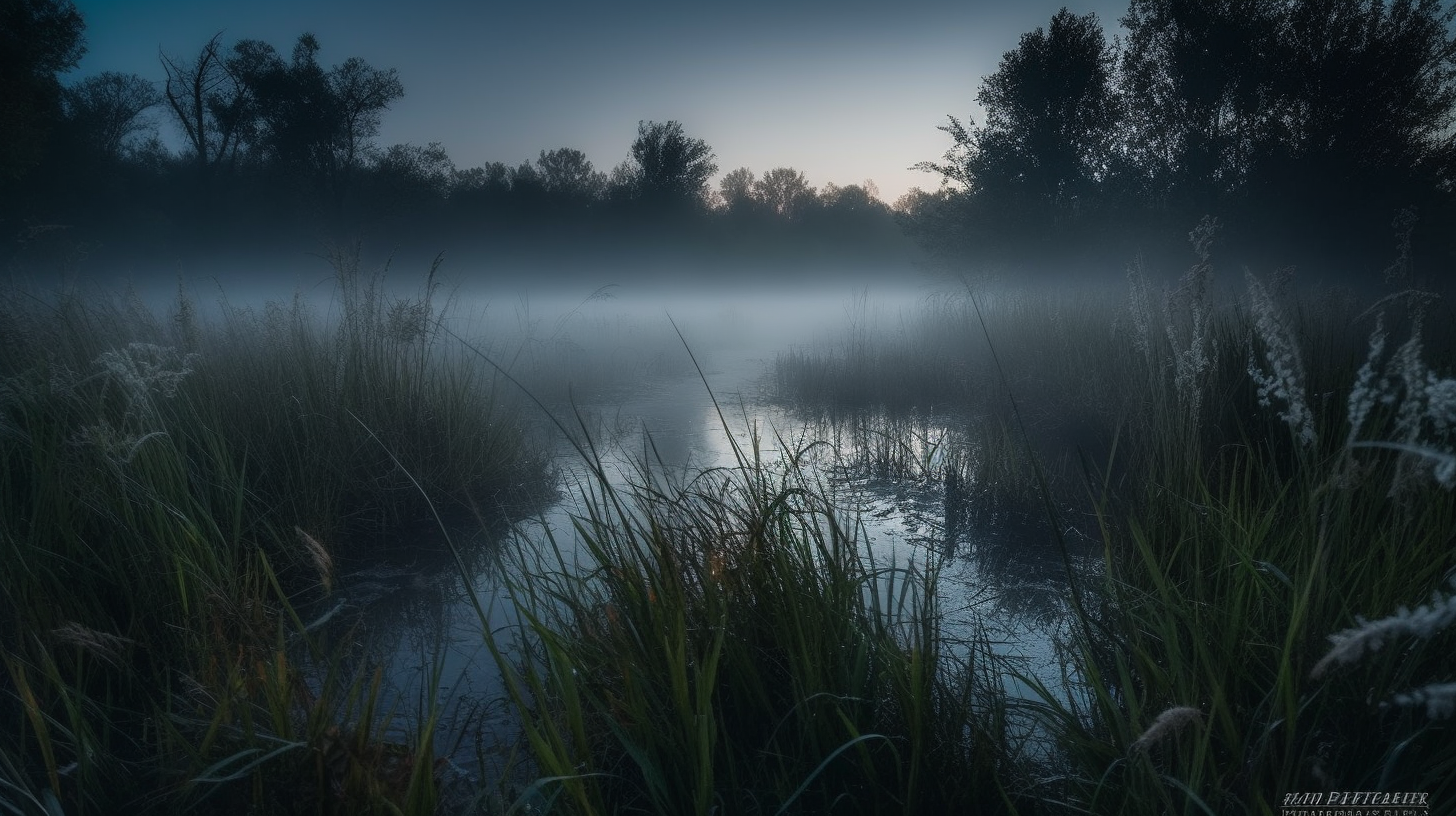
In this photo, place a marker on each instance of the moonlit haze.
(837, 406)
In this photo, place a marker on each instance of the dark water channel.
(634, 387)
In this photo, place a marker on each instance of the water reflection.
(906, 478)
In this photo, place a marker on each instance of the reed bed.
(726, 643)
(1270, 479)
(935, 363)
(1267, 477)
(174, 490)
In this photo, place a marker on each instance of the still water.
(619, 365)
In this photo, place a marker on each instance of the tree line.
(275, 144)
(1313, 129)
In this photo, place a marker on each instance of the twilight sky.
(843, 91)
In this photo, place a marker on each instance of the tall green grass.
(725, 642)
(1266, 474)
(1234, 561)
(1268, 477)
(174, 489)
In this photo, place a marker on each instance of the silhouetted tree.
(529, 196)
(668, 169)
(1296, 121)
(362, 94)
(735, 190)
(106, 110)
(1198, 77)
(1311, 120)
(309, 122)
(1366, 101)
(1369, 84)
(853, 216)
(480, 191)
(851, 197)
(1052, 118)
(212, 105)
(38, 40)
(409, 180)
(291, 115)
(851, 205)
(784, 191)
(942, 222)
(569, 178)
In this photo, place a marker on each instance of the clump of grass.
(724, 642)
(936, 364)
(386, 359)
(1281, 470)
(1229, 564)
(173, 490)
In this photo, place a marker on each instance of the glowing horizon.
(843, 92)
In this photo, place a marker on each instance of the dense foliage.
(275, 148)
(1305, 125)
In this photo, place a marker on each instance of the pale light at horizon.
(843, 92)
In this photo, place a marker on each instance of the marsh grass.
(174, 490)
(1263, 473)
(936, 363)
(724, 641)
(1254, 531)
(1268, 479)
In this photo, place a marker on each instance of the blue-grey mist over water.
(651, 376)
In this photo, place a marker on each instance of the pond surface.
(616, 367)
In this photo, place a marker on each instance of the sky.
(843, 91)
